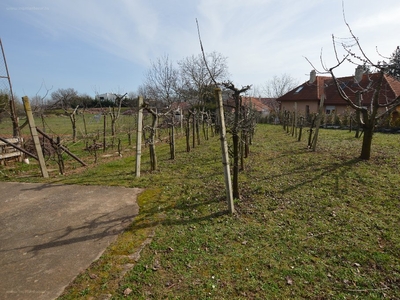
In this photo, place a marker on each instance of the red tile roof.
(390, 89)
(257, 103)
(306, 91)
(325, 85)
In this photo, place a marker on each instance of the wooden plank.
(12, 140)
(9, 155)
(19, 148)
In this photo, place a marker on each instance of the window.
(330, 110)
(298, 89)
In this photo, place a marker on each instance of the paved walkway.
(50, 233)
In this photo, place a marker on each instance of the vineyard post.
(139, 135)
(225, 153)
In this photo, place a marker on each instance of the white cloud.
(261, 38)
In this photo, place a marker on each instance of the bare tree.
(392, 67)
(197, 75)
(161, 82)
(115, 112)
(11, 99)
(152, 128)
(64, 99)
(279, 85)
(160, 90)
(3, 102)
(366, 99)
(276, 87)
(236, 129)
(38, 102)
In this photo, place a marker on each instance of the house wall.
(301, 106)
(341, 109)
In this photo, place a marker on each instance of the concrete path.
(50, 233)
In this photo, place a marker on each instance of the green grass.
(311, 225)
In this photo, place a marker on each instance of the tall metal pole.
(225, 153)
(13, 113)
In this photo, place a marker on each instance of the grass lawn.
(309, 225)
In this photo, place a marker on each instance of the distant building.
(106, 97)
(109, 97)
(307, 96)
(261, 105)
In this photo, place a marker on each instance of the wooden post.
(32, 127)
(181, 118)
(318, 122)
(224, 149)
(139, 135)
(104, 132)
(295, 120)
(172, 139)
(301, 128)
(194, 129)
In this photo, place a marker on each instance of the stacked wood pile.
(10, 153)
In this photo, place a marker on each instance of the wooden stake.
(224, 149)
(32, 127)
(318, 122)
(139, 135)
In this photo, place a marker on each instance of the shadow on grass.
(154, 216)
(337, 170)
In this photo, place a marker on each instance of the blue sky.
(99, 46)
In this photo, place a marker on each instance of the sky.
(100, 46)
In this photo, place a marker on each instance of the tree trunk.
(198, 131)
(73, 122)
(113, 126)
(284, 120)
(172, 141)
(242, 150)
(152, 146)
(235, 141)
(293, 122)
(301, 128)
(235, 179)
(194, 131)
(72, 117)
(187, 130)
(84, 124)
(367, 142)
(247, 139)
(358, 119)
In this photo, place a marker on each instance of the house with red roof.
(307, 96)
(258, 105)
